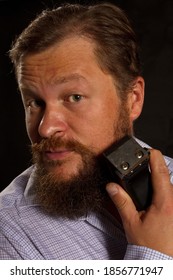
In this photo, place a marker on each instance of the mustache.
(54, 143)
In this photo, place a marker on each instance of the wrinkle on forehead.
(82, 45)
(72, 59)
(51, 69)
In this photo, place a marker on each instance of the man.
(78, 72)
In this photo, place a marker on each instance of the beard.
(82, 192)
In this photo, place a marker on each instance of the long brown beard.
(81, 193)
(72, 197)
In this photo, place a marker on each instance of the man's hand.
(152, 228)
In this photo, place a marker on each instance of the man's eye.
(36, 103)
(74, 98)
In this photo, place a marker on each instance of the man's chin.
(64, 170)
(70, 191)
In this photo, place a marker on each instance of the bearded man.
(79, 75)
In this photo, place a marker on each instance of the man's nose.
(52, 123)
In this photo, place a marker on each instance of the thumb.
(122, 201)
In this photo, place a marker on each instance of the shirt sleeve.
(135, 252)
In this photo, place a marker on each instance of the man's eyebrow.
(68, 78)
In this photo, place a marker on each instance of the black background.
(153, 22)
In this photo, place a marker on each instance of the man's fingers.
(160, 177)
(158, 168)
(122, 201)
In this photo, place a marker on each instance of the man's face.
(73, 105)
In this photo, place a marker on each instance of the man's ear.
(136, 98)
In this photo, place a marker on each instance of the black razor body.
(128, 164)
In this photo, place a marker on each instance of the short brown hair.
(106, 24)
